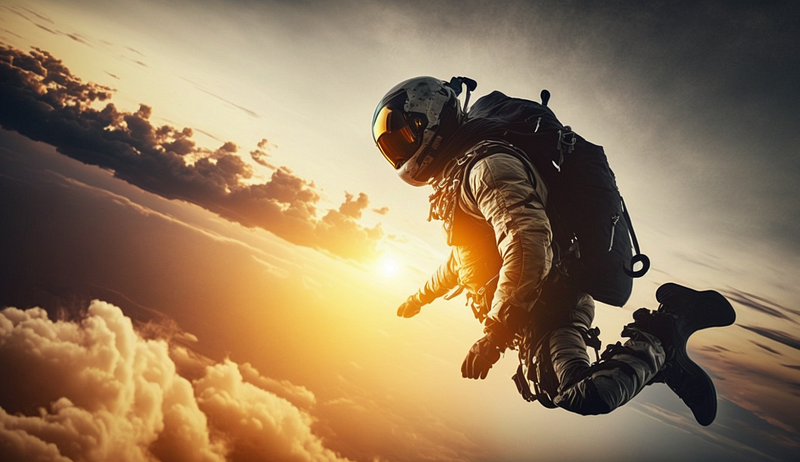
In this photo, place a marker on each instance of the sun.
(389, 265)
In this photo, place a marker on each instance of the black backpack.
(592, 229)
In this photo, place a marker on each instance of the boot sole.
(695, 310)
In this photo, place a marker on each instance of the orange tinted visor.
(396, 138)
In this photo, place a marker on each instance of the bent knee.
(583, 398)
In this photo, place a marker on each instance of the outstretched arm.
(440, 283)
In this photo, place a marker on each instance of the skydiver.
(493, 201)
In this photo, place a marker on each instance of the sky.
(202, 251)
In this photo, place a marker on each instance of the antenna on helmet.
(456, 83)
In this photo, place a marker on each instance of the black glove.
(410, 307)
(481, 357)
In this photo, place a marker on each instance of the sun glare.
(389, 266)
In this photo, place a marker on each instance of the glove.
(502, 325)
(480, 358)
(411, 307)
(498, 334)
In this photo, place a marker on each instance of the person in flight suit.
(493, 203)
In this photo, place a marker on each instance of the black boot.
(682, 312)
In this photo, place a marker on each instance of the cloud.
(754, 380)
(297, 395)
(371, 431)
(733, 440)
(715, 349)
(261, 154)
(772, 334)
(37, 14)
(111, 395)
(77, 38)
(45, 102)
(761, 304)
(241, 108)
(95, 390)
(354, 208)
(257, 424)
(766, 348)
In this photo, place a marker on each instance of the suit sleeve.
(511, 198)
(440, 283)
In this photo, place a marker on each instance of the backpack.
(592, 231)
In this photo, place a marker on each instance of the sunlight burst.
(389, 266)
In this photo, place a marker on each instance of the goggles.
(398, 134)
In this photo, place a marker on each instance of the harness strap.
(478, 301)
(540, 366)
(592, 339)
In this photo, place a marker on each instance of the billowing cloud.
(96, 390)
(257, 424)
(45, 102)
(297, 395)
(354, 207)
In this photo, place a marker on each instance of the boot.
(682, 312)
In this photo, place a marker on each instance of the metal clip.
(564, 145)
(575, 246)
(562, 140)
(456, 183)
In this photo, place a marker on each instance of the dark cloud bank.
(45, 102)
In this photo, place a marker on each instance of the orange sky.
(295, 328)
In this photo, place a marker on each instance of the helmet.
(412, 122)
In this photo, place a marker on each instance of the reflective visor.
(396, 138)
